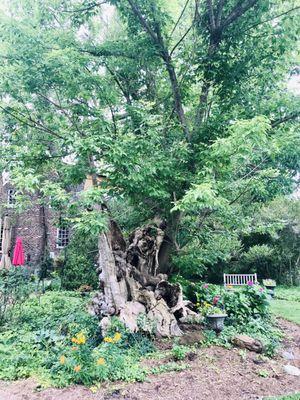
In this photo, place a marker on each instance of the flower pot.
(216, 322)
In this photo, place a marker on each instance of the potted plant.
(270, 285)
(215, 318)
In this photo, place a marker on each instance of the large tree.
(179, 106)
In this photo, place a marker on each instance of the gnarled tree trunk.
(132, 286)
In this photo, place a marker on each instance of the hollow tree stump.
(132, 286)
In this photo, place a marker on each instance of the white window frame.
(11, 200)
(1, 234)
(62, 237)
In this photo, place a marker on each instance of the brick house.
(36, 226)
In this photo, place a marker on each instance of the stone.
(247, 342)
(291, 370)
(259, 361)
(288, 355)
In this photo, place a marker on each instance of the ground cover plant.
(248, 310)
(166, 119)
(53, 338)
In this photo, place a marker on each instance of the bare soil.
(215, 374)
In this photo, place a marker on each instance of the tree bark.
(132, 285)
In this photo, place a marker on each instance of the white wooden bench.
(239, 279)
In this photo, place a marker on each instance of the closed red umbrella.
(18, 258)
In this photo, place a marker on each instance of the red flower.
(215, 300)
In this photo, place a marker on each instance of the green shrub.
(56, 340)
(260, 329)
(197, 291)
(248, 312)
(79, 265)
(242, 305)
(15, 287)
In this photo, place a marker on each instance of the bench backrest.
(239, 279)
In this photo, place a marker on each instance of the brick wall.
(29, 225)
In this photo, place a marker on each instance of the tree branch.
(219, 12)
(181, 40)
(211, 15)
(180, 16)
(63, 110)
(166, 57)
(119, 84)
(143, 21)
(238, 11)
(33, 123)
(105, 51)
(282, 120)
(88, 8)
(271, 19)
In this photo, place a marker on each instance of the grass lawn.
(287, 303)
(288, 293)
(289, 310)
(290, 397)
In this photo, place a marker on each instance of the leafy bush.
(55, 339)
(248, 312)
(206, 293)
(15, 286)
(242, 305)
(80, 263)
(260, 329)
(81, 363)
(197, 292)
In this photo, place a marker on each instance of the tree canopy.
(181, 106)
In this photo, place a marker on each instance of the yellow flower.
(117, 337)
(108, 339)
(62, 360)
(77, 368)
(79, 338)
(101, 361)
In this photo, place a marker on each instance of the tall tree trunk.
(132, 285)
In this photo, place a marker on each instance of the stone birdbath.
(270, 285)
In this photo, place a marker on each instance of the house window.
(1, 235)
(62, 237)
(11, 199)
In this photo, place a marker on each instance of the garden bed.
(216, 373)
